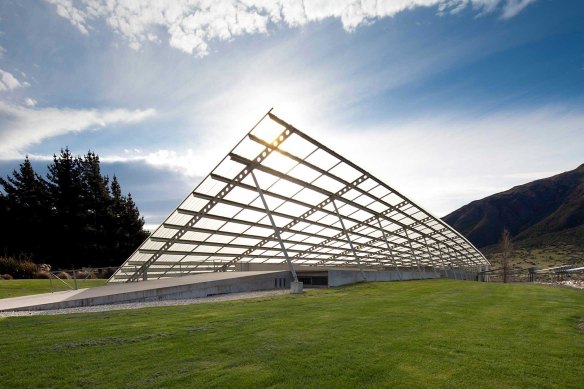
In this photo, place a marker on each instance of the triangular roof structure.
(282, 198)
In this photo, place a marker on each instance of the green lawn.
(439, 333)
(15, 288)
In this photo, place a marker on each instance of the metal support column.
(414, 254)
(390, 251)
(442, 260)
(463, 267)
(349, 239)
(450, 258)
(429, 255)
(276, 231)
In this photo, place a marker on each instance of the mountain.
(548, 209)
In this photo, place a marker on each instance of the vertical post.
(450, 257)
(276, 231)
(462, 266)
(349, 239)
(389, 248)
(429, 254)
(442, 260)
(413, 252)
(464, 270)
(75, 278)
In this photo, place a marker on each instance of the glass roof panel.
(346, 172)
(279, 162)
(322, 159)
(297, 146)
(309, 196)
(328, 184)
(249, 149)
(304, 173)
(266, 130)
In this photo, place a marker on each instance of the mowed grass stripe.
(438, 333)
(16, 288)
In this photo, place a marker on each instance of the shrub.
(82, 275)
(6, 277)
(64, 275)
(107, 272)
(18, 268)
(45, 267)
(42, 275)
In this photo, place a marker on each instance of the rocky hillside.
(543, 211)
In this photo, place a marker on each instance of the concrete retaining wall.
(166, 289)
(346, 277)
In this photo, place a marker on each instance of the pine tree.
(26, 208)
(75, 218)
(5, 221)
(97, 206)
(134, 226)
(68, 221)
(128, 232)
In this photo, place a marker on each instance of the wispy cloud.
(23, 126)
(8, 82)
(185, 162)
(30, 102)
(513, 7)
(192, 24)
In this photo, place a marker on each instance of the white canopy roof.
(327, 212)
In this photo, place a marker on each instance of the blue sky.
(447, 100)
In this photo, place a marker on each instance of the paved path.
(117, 307)
(109, 294)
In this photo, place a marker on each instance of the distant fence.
(75, 278)
(533, 274)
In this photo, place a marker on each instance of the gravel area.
(165, 303)
(577, 284)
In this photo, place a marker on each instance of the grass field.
(15, 288)
(438, 333)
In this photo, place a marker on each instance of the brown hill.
(547, 210)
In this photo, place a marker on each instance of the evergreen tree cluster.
(72, 218)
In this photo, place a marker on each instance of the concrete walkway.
(193, 286)
(148, 304)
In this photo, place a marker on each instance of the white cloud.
(192, 24)
(30, 102)
(513, 7)
(191, 163)
(21, 126)
(66, 9)
(186, 162)
(8, 82)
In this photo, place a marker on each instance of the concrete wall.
(459, 275)
(176, 292)
(346, 277)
